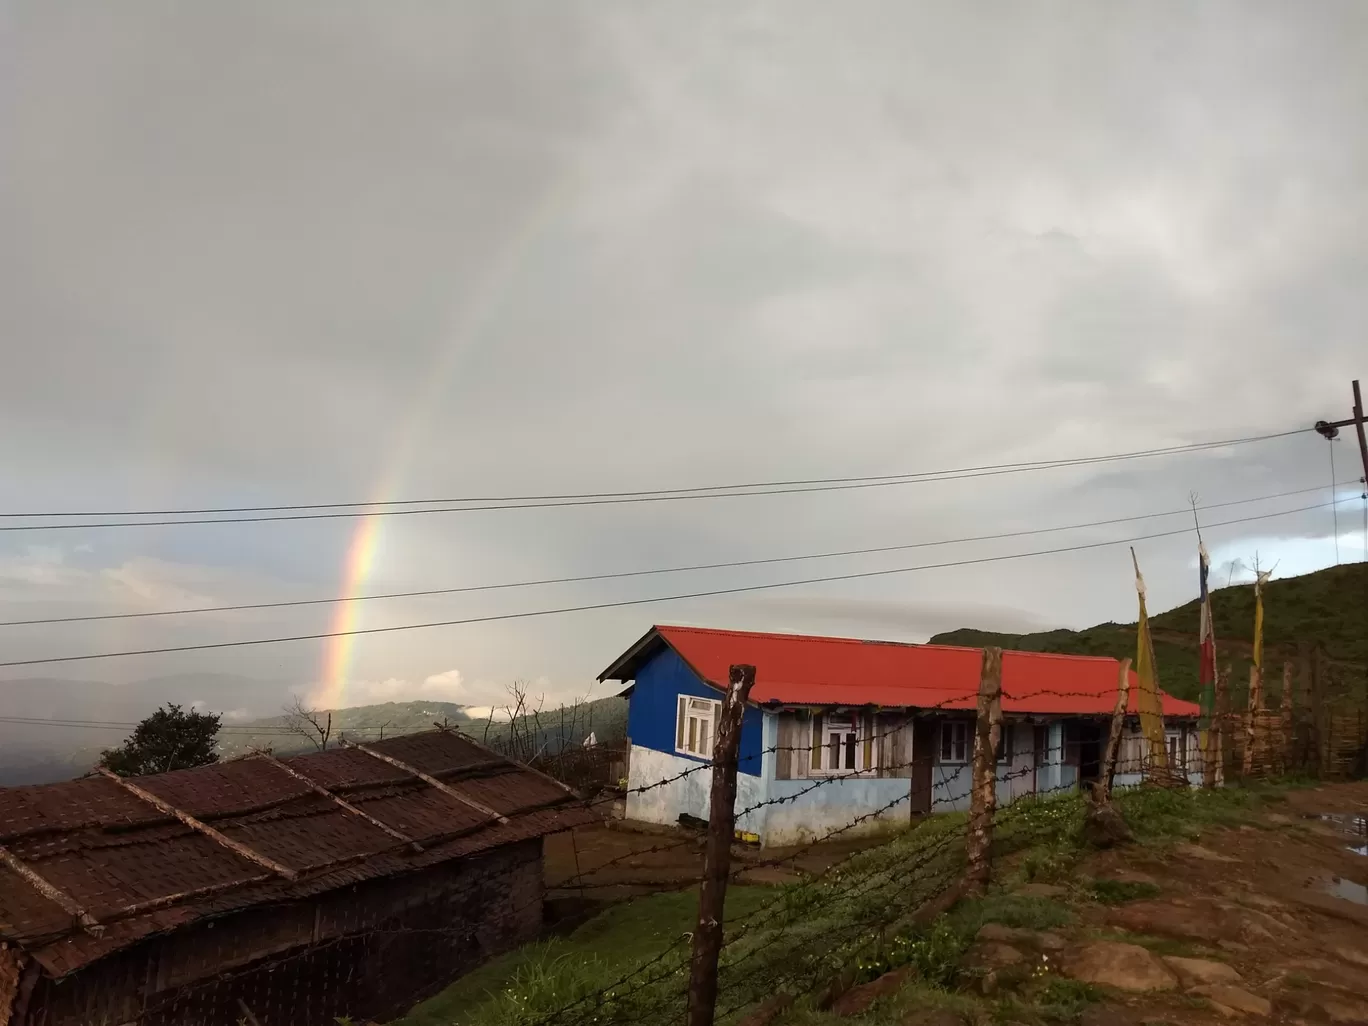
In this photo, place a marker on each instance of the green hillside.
(1328, 607)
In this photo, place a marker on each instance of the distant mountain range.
(54, 729)
(37, 752)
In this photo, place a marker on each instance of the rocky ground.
(1265, 921)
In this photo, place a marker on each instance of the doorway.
(924, 737)
(1089, 753)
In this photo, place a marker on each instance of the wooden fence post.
(1118, 724)
(1288, 741)
(1226, 747)
(1254, 706)
(983, 784)
(707, 938)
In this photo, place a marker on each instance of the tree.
(171, 738)
(314, 724)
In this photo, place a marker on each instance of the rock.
(1196, 851)
(1353, 956)
(933, 1017)
(769, 1010)
(937, 1017)
(1040, 940)
(1234, 1000)
(1211, 922)
(1042, 890)
(1168, 919)
(1195, 971)
(1123, 966)
(858, 1000)
(992, 954)
(1325, 1006)
(1104, 827)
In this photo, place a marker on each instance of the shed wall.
(370, 952)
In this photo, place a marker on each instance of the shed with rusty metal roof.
(276, 890)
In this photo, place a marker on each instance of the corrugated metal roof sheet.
(797, 669)
(109, 851)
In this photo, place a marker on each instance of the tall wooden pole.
(707, 938)
(983, 784)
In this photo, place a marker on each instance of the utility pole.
(1330, 429)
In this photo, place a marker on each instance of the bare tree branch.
(314, 724)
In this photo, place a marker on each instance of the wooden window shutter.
(816, 759)
(681, 717)
(867, 728)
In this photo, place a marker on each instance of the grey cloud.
(280, 252)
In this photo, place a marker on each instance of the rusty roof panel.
(512, 792)
(344, 768)
(68, 805)
(229, 788)
(110, 851)
(435, 752)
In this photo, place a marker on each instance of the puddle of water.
(1347, 889)
(1352, 825)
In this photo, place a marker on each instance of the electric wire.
(583, 578)
(353, 510)
(625, 603)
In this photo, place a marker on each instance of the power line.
(623, 603)
(227, 730)
(351, 510)
(430, 592)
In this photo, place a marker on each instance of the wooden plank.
(428, 779)
(69, 904)
(165, 900)
(167, 809)
(319, 789)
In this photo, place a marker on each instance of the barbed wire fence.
(346, 954)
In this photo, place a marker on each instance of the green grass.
(851, 923)
(1063, 1000)
(1118, 892)
(1013, 910)
(549, 974)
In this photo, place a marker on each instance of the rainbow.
(486, 297)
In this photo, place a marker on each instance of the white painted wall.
(688, 794)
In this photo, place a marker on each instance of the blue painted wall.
(654, 707)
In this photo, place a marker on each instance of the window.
(1177, 753)
(954, 745)
(839, 745)
(1042, 746)
(694, 726)
(1004, 752)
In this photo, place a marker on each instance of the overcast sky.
(280, 252)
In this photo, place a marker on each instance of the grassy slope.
(797, 937)
(1329, 606)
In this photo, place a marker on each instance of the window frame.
(1004, 752)
(946, 742)
(857, 741)
(704, 740)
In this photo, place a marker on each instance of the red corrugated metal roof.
(799, 669)
(108, 850)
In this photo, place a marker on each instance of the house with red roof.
(862, 736)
